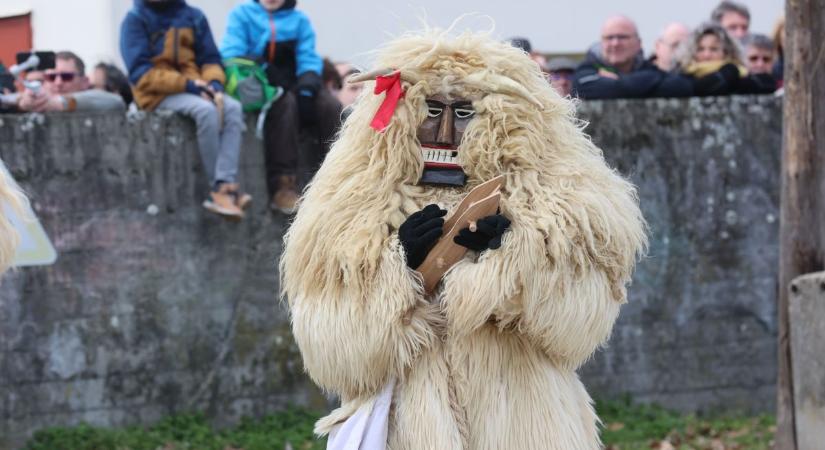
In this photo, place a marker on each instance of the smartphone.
(46, 59)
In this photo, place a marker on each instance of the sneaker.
(242, 199)
(286, 196)
(222, 202)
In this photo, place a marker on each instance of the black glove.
(419, 233)
(307, 111)
(194, 89)
(487, 235)
(307, 87)
(216, 86)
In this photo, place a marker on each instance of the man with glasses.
(66, 88)
(758, 53)
(616, 68)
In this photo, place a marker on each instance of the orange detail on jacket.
(171, 68)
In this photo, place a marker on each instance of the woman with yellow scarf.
(712, 59)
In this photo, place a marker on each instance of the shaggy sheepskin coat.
(489, 361)
(10, 197)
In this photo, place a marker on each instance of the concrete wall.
(146, 314)
(699, 331)
(142, 314)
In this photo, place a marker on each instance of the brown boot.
(222, 202)
(286, 196)
(242, 199)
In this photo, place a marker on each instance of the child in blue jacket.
(282, 38)
(173, 64)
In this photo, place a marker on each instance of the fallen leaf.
(666, 445)
(615, 426)
(738, 433)
(716, 444)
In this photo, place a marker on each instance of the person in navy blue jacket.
(616, 68)
(173, 64)
(282, 38)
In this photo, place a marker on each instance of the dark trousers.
(283, 147)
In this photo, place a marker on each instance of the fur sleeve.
(11, 199)
(559, 277)
(351, 339)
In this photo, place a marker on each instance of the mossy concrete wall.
(156, 306)
(699, 331)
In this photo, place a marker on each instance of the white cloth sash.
(367, 428)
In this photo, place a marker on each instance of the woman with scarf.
(713, 61)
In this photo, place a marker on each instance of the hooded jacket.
(284, 39)
(644, 80)
(165, 45)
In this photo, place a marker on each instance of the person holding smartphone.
(173, 64)
(65, 87)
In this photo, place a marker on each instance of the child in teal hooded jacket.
(282, 39)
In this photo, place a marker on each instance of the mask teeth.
(444, 156)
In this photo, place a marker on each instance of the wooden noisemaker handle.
(445, 253)
(480, 192)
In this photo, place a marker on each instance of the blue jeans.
(219, 144)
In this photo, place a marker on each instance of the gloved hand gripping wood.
(473, 225)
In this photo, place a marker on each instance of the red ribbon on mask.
(391, 84)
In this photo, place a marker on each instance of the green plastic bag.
(246, 81)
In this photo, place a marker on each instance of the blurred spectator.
(779, 42)
(349, 91)
(331, 77)
(335, 76)
(666, 44)
(711, 60)
(281, 36)
(66, 88)
(173, 64)
(561, 71)
(616, 68)
(35, 75)
(107, 77)
(8, 95)
(734, 18)
(524, 44)
(758, 53)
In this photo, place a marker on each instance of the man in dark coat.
(616, 68)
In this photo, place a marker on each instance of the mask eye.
(464, 113)
(434, 111)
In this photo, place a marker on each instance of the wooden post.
(806, 311)
(802, 224)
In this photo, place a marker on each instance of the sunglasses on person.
(756, 58)
(64, 76)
